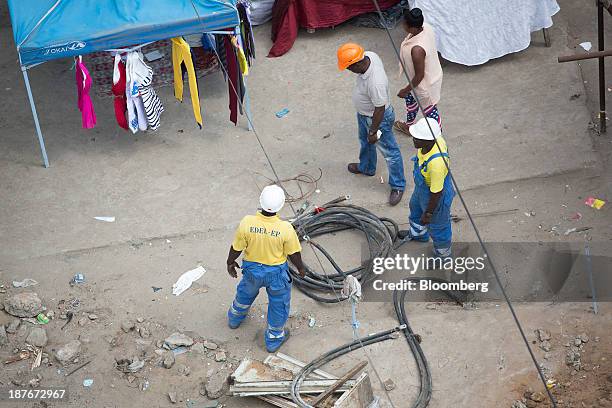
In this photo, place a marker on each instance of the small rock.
(176, 340)
(82, 321)
(136, 366)
(13, 326)
(543, 335)
(3, 337)
(389, 385)
(198, 348)
(545, 345)
(537, 397)
(140, 320)
(584, 338)
(172, 397)
(220, 356)
(68, 352)
(217, 385)
(24, 304)
(184, 370)
(210, 345)
(93, 316)
(577, 342)
(37, 337)
(168, 361)
(144, 333)
(50, 314)
(127, 325)
(531, 404)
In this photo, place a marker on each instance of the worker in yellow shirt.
(433, 190)
(266, 241)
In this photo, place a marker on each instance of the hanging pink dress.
(83, 82)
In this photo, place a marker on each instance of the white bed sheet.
(472, 32)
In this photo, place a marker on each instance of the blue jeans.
(387, 146)
(277, 282)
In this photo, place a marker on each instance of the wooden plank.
(284, 387)
(283, 361)
(360, 396)
(340, 382)
(278, 401)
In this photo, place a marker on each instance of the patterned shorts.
(412, 108)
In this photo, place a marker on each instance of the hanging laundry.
(83, 82)
(220, 47)
(233, 75)
(181, 56)
(246, 30)
(242, 61)
(142, 77)
(137, 118)
(118, 90)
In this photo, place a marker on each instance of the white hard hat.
(420, 130)
(272, 199)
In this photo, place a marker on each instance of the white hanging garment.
(137, 118)
(142, 77)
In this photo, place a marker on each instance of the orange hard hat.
(348, 54)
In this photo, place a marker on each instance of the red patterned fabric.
(290, 15)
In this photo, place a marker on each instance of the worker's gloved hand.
(231, 269)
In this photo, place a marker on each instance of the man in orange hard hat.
(375, 117)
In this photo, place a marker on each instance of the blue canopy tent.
(50, 29)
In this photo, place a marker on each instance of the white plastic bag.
(184, 282)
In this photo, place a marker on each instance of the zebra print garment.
(152, 103)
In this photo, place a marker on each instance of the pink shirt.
(83, 82)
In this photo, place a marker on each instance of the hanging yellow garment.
(181, 54)
(244, 67)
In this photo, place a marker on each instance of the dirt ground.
(520, 140)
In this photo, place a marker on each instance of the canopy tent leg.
(41, 141)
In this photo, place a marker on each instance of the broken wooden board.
(360, 396)
(253, 389)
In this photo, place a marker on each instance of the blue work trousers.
(277, 281)
(439, 229)
(387, 146)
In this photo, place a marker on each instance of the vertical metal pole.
(602, 68)
(587, 253)
(41, 141)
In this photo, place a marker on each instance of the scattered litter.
(572, 230)
(88, 382)
(105, 219)
(311, 321)
(42, 319)
(382, 181)
(281, 113)
(155, 288)
(594, 203)
(576, 216)
(586, 45)
(74, 370)
(326, 136)
(135, 366)
(145, 385)
(24, 283)
(185, 280)
(317, 191)
(78, 278)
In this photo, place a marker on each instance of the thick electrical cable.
(469, 215)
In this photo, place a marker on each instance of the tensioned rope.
(278, 180)
(469, 215)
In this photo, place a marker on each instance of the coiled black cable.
(381, 235)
